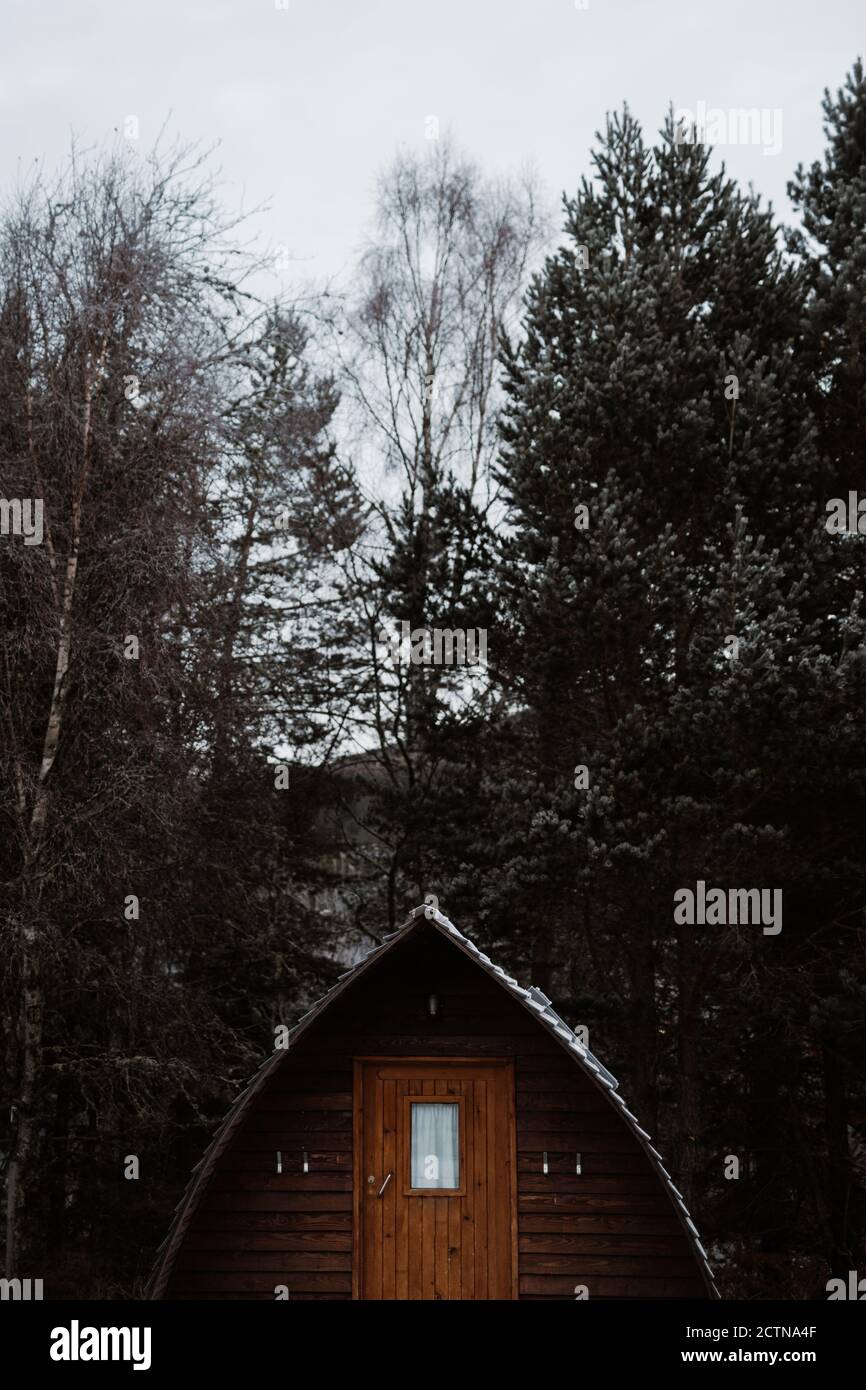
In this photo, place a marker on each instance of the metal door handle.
(384, 1185)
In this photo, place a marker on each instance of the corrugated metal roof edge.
(545, 1015)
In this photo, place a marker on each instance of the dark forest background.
(217, 789)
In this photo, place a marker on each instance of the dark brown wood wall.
(613, 1229)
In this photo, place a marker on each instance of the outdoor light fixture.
(279, 1161)
(577, 1164)
(544, 1162)
(433, 1005)
(306, 1161)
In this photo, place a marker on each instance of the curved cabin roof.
(532, 999)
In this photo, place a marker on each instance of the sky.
(309, 99)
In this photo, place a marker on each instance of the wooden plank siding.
(612, 1229)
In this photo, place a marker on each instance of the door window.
(435, 1145)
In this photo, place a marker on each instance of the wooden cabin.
(431, 1130)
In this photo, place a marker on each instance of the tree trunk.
(29, 1051)
(689, 1088)
(643, 1029)
(839, 1168)
(32, 1003)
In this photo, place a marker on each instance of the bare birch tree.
(118, 301)
(419, 341)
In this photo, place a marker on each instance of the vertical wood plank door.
(435, 1178)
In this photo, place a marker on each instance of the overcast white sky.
(308, 102)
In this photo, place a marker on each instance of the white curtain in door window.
(435, 1145)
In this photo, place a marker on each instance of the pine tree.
(666, 621)
(831, 244)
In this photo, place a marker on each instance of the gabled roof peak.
(532, 998)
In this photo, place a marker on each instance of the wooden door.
(435, 1172)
